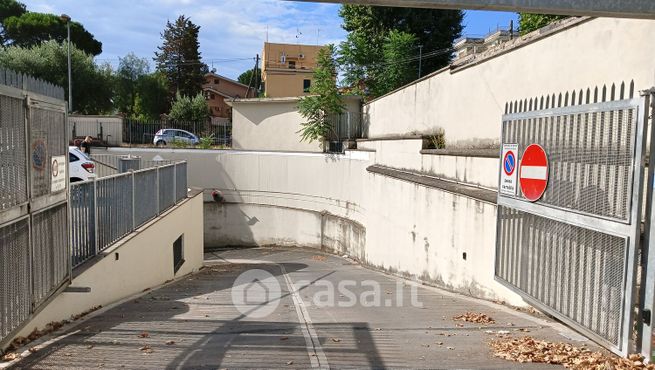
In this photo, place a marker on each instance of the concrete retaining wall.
(332, 202)
(142, 260)
(468, 102)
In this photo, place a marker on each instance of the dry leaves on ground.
(9, 357)
(478, 318)
(528, 349)
(319, 258)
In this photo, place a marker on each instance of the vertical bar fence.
(107, 209)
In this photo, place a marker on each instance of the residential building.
(287, 69)
(217, 89)
(466, 47)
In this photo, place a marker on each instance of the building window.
(306, 84)
(292, 64)
(211, 96)
(217, 81)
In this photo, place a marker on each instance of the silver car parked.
(169, 135)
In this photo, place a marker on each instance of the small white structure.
(273, 124)
(106, 128)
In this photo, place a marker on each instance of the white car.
(80, 167)
(169, 135)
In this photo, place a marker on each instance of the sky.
(232, 32)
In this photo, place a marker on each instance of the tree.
(395, 49)
(29, 29)
(369, 26)
(253, 80)
(151, 98)
(9, 8)
(531, 22)
(131, 70)
(179, 59)
(185, 108)
(324, 100)
(92, 84)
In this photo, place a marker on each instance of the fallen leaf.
(284, 338)
(528, 349)
(439, 343)
(289, 362)
(170, 342)
(479, 318)
(146, 349)
(9, 356)
(337, 340)
(144, 335)
(451, 348)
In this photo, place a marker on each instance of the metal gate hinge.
(645, 317)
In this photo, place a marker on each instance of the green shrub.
(206, 142)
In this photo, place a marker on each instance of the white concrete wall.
(111, 127)
(145, 260)
(333, 202)
(406, 154)
(273, 124)
(468, 103)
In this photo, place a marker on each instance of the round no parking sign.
(533, 172)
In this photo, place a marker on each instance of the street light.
(65, 18)
(420, 59)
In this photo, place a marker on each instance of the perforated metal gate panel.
(34, 256)
(590, 158)
(13, 180)
(573, 252)
(15, 285)
(48, 138)
(576, 271)
(50, 262)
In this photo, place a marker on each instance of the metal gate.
(34, 245)
(573, 252)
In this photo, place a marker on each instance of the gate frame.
(629, 229)
(30, 99)
(646, 327)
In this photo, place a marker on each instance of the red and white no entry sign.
(533, 172)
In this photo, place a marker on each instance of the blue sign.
(509, 163)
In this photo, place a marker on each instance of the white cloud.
(229, 28)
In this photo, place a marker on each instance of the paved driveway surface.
(371, 321)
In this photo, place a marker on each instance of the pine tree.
(179, 58)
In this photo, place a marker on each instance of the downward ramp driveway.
(284, 308)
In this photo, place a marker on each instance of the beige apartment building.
(287, 69)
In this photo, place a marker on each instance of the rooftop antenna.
(267, 33)
(298, 34)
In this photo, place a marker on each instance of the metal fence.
(346, 126)
(111, 164)
(143, 132)
(573, 252)
(34, 255)
(105, 210)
